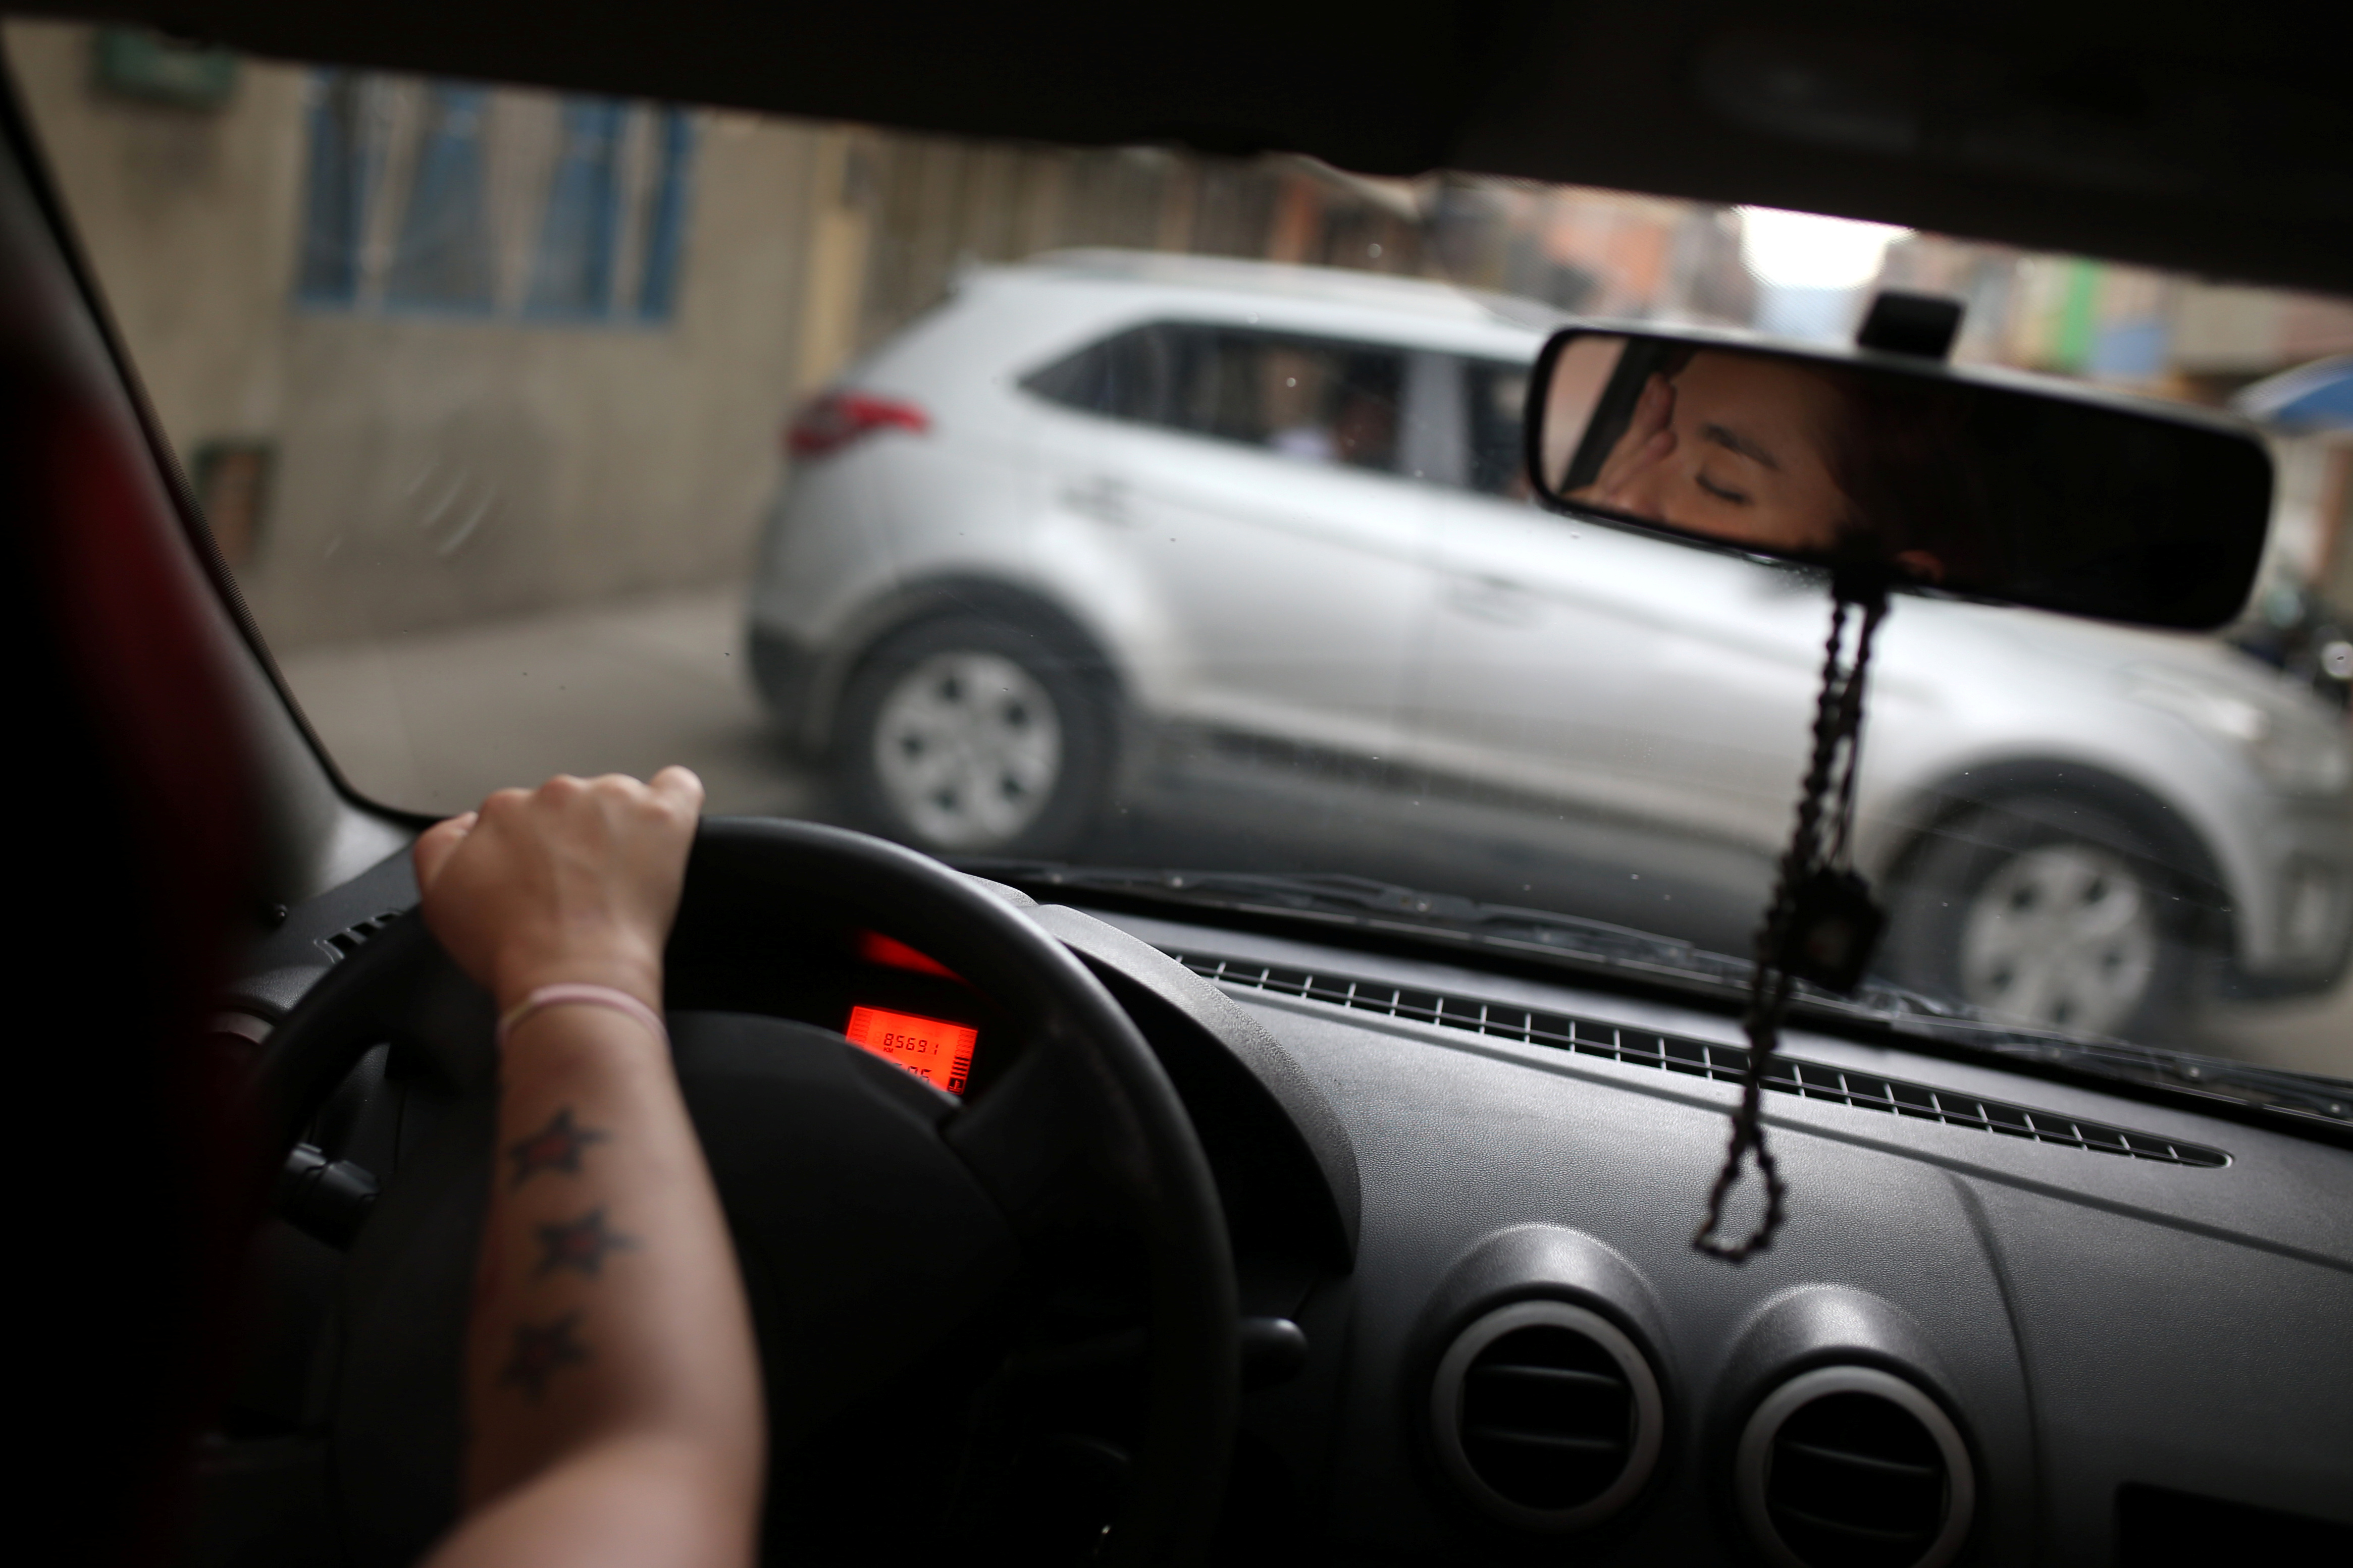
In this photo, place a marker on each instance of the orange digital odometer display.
(936, 1052)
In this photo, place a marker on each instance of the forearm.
(624, 1503)
(613, 1391)
(609, 1313)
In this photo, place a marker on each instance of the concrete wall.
(436, 470)
(202, 300)
(443, 470)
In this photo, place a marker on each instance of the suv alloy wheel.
(964, 735)
(2047, 915)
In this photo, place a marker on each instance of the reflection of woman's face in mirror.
(1734, 448)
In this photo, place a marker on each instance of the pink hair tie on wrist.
(583, 995)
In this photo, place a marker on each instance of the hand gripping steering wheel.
(871, 1211)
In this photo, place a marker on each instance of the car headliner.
(2174, 136)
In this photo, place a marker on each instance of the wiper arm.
(2305, 1097)
(1594, 948)
(1568, 941)
(1360, 901)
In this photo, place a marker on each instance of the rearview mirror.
(1983, 484)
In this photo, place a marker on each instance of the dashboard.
(2112, 1325)
(2012, 1317)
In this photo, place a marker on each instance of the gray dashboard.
(2102, 1326)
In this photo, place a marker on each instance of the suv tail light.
(832, 420)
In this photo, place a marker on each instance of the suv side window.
(1318, 400)
(1126, 377)
(1497, 391)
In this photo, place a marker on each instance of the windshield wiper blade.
(1594, 947)
(2307, 1096)
(1569, 941)
(1335, 899)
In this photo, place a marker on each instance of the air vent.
(1848, 1466)
(352, 938)
(1706, 1059)
(1546, 1416)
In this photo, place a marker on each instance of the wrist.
(639, 1023)
(636, 974)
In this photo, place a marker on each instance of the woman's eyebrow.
(1732, 440)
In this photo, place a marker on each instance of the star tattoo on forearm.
(555, 1147)
(540, 1352)
(580, 1243)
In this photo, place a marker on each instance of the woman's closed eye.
(1720, 490)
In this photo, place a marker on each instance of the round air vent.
(1546, 1415)
(1849, 1467)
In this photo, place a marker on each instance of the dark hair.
(1901, 455)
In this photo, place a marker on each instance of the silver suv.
(1102, 511)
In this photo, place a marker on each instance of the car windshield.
(1157, 520)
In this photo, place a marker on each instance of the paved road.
(438, 720)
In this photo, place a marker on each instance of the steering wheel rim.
(1109, 1089)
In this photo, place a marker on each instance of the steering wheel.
(874, 1214)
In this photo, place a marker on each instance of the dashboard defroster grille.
(1704, 1059)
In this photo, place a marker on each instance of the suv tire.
(964, 735)
(2048, 912)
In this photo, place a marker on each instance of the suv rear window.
(1315, 399)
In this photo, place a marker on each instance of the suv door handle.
(1496, 600)
(1102, 498)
